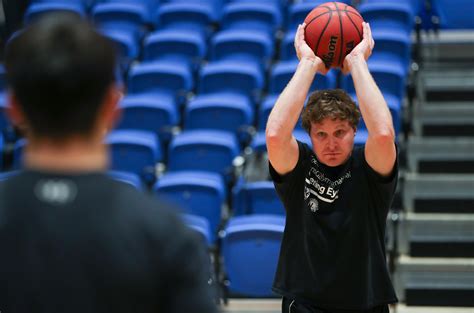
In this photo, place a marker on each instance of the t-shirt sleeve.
(382, 187)
(284, 183)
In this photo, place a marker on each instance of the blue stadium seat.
(3, 80)
(212, 151)
(134, 151)
(258, 197)
(361, 137)
(162, 78)
(127, 46)
(7, 174)
(391, 80)
(129, 178)
(126, 17)
(198, 193)
(18, 148)
(150, 113)
(190, 16)
(282, 72)
(242, 45)
(200, 225)
(297, 12)
(264, 111)
(388, 15)
(254, 16)
(149, 5)
(175, 45)
(36, 10)
(226, 112)
(454, 14)
(258, 143)
(287, 46)
(4, 121)
(250, 250)
(233, 77)
(392, 46)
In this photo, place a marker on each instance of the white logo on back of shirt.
(56, 191)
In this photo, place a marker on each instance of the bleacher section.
(201, 77)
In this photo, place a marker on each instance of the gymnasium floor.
(273, 306)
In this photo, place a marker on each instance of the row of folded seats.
(199, 88)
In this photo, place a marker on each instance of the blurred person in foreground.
(336, 196)
(73, 239)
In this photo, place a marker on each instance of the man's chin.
(333, 162)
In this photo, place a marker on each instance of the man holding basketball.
(336, 196)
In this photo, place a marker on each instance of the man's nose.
(332, 143)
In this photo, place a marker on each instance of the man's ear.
(110, 112)
(14, 111)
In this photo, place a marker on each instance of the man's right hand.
(304, 52)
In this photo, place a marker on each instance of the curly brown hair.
(332, 103)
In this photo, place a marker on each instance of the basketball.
(332, 30)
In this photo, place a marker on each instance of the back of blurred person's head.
(59, 71)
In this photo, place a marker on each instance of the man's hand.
(362, 50)
(304, 52)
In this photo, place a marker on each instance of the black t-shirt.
(333, 249)
(87, 243)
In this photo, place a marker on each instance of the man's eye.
(340, 133)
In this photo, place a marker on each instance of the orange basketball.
(332, 30)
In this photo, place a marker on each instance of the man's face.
(332, 140)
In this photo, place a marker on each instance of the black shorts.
(291, 306)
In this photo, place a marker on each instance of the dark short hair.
(335, 104)
(60, 68)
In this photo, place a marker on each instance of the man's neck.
(73, 156)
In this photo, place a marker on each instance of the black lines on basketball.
(355, 26)
(341, 40)
(328, 12)
(322, 33)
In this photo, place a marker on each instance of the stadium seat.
(190, 16)
(225, 112)
(5, 124)
(162, 78)
(264, 111)
(391, 80)
(129, 178)
(388, 15)
(147, 112)
(198, 193)
(36, 10)
(242, 45)
(212, 151)
(7, 174)
(175, 45)
(131, 18)
(282, 72)
(135, 151)
(127, 45)
(258, 143)
(200, 225)
(287, 46)
(392, 46)
(150, 5)
(454, 15)
(18, 149)
(297, 12)
(254, 16)
(233, 77)
(250, 250)
(257, 198)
